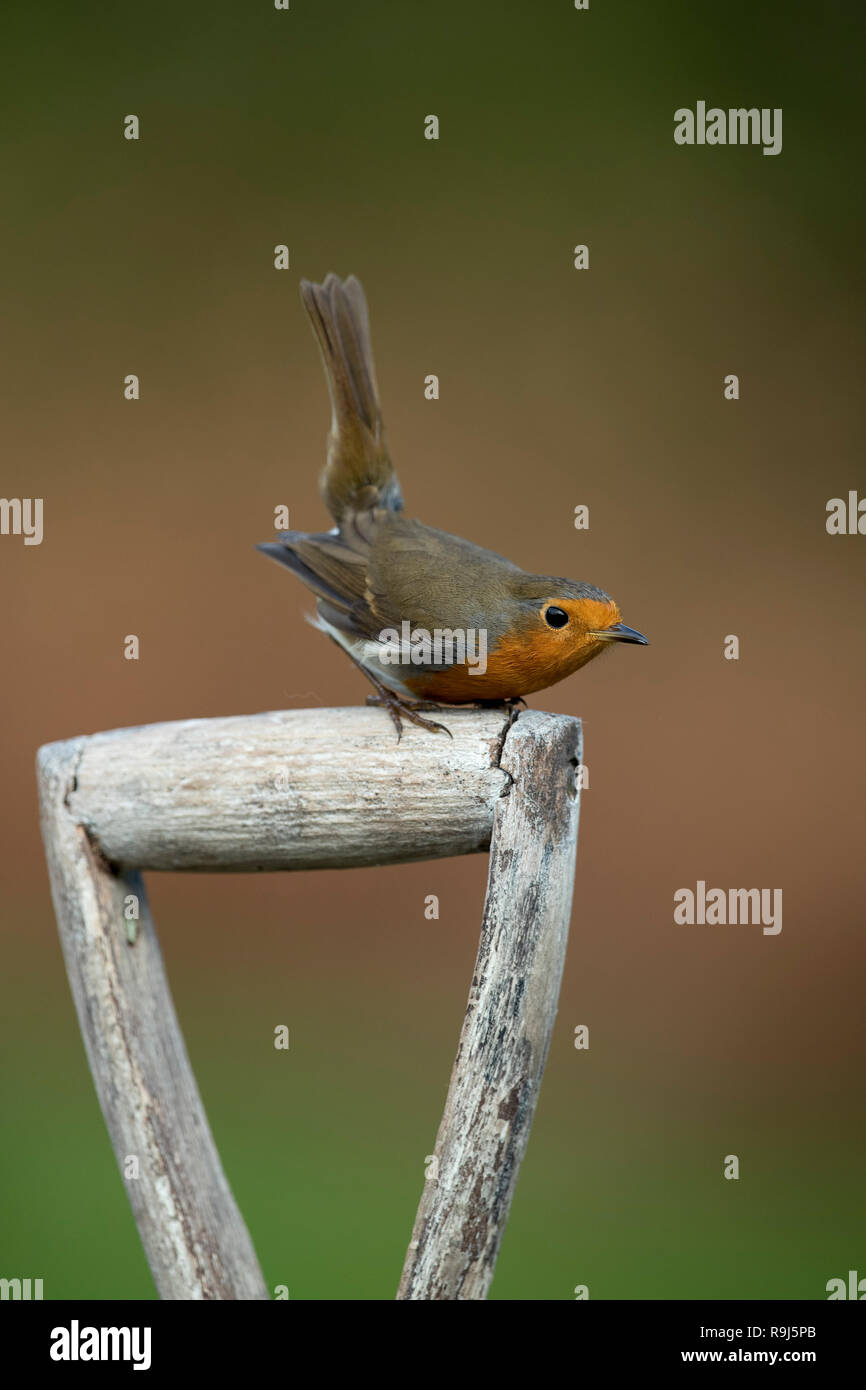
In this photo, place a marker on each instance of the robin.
(429, 618)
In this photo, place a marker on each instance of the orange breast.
(532, 659)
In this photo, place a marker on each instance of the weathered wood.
(509, 1019)
(193, 1234)
(313, 789)
(294, 789)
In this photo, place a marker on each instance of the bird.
(431, 619)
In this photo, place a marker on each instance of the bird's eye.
(555, 617)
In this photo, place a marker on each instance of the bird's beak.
(620, 633)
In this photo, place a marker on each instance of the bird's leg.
(406, 703)
(396, 707)
(511, 703)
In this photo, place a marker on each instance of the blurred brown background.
(558, 387)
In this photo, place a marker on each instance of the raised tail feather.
(359, 474)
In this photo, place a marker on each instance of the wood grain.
(193, 1234)
(295, 789)
(509, 1018)
(313, 789)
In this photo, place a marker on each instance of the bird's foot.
(408, 709)
(404, 703)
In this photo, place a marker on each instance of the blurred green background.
(558, 387)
